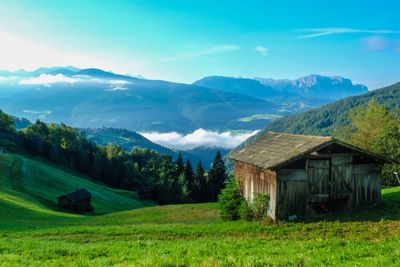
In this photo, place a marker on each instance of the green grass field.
(32, 233)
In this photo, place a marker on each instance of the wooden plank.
(253, 180)
(292, 199)
(367, 184)
(318, 178)
(292, 175)
(366, 168)
(341, 183)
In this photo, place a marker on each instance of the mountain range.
(305, 92)
(94, 98)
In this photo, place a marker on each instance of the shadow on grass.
(387, 209)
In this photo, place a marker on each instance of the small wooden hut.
(306, 174)
(77, 201)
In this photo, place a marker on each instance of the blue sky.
(186, 40)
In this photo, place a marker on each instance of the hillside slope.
(323, 120)
(30, 185)
(194, 235)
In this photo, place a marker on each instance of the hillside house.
(307, 174)
(78, 201)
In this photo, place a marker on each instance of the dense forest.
(151, 175)
(323, 120)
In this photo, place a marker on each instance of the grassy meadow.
(132, 233)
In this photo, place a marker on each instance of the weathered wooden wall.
(332, 178)
(367, 184)
(318, 175)
(342, 177)
(253, 180)
(292, 193)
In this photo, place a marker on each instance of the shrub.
(257, 209)
(230, 200)
(246, 211)
(260, 206)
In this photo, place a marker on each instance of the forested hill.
(323, 120)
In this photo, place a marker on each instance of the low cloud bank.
(48, 79)
(198, 138)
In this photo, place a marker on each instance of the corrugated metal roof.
(274, 149)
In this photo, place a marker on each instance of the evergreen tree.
(200, 190)
(217, 176)
(180, 165)
(189, 178)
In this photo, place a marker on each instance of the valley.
(93, 98)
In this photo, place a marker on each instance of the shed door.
(341, 181)
(318, 180)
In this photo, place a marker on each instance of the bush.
(246, 211)
(257, 209)
(260, 206)
(233, 205)
(230, 200)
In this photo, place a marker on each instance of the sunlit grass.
(32, 234)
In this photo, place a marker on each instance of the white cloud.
(201, 50)
(48, 79)
(198, 138)
(262, 50)
(317, 32)
(117, 88)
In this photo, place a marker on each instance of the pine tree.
(200, 191)
(217, 176)
(189, 178)
(180, 166)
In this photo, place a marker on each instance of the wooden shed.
(306, 174)
(77, 201)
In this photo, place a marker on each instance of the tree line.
(150, 174)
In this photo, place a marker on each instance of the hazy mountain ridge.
(309, 89)
(92, 98)
(315, 86)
